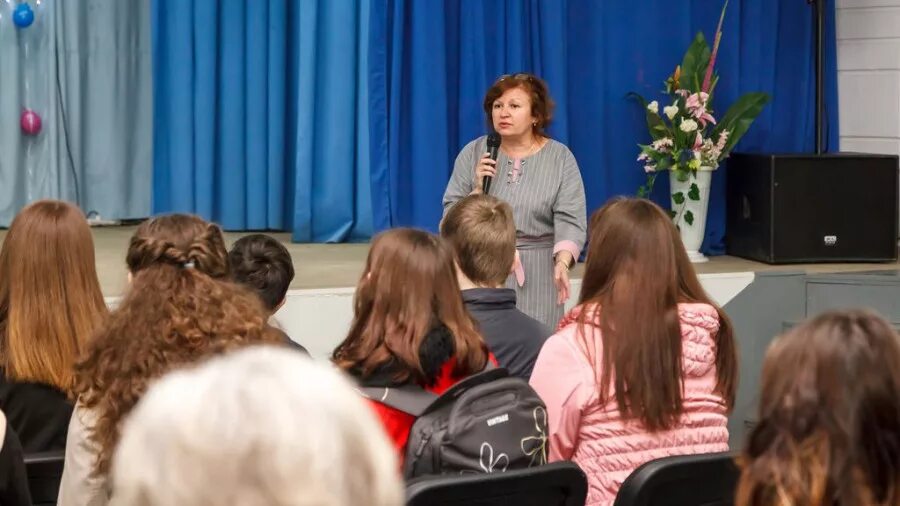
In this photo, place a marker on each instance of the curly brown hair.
(180, 308)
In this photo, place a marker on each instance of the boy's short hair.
(482, 233)
(264, 265)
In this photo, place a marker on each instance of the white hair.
(264, 426)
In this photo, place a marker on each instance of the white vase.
(692, 234)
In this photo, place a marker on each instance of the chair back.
(44, 471)
(557, 484)
(684, 480)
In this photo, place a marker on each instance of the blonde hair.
(50, 298)
(482, 233)
(259, 427)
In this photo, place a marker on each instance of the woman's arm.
(570, 212)
(569, 226)
(462, 181)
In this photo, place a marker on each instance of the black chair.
(557, 484)
(686, 480)
(44, 474)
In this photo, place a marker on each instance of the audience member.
(481, 231)
(645, 366)
(264, 265)
(258, 427)
(181, 307)
(409, 324)
(828, 430)
(50, 305)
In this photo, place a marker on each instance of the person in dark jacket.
(50, 305)
(264, 265)
(481, 231)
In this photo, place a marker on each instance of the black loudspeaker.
(812, 208)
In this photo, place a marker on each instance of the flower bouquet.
(688, 141)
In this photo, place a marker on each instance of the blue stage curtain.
(431, 62)
(261, 115)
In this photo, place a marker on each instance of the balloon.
(23, 16)
(30, 122)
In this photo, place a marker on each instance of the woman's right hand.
(485, 167)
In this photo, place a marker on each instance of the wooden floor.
(340, 265)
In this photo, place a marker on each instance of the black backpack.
(487, 423)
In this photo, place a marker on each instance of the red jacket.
(397, 424)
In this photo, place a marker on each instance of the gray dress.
(547, 198)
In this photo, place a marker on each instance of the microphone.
(493, 147)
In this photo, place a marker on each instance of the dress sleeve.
(462, 181)
(569, 210)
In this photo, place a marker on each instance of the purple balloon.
(30, 122)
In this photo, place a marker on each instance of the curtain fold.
(262, 115)
(85, 68)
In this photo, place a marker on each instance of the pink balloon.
(30, 122)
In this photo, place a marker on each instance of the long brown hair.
(637, 271)
(408, 287)
(180, 308)
(50, 299)
(828, 431)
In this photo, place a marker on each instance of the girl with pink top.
(645, 366)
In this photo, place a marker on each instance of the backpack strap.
(411, 399)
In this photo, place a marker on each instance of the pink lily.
(696, 100)
(696, 104)
(698, 142)
(707, 79)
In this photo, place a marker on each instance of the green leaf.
(678, 198)
(672, 214)
(645, 189)
(693, 66)
(689, 217)
(655, 124)
(682, 174)
(712, 89)
(738, 118)
(694, 193)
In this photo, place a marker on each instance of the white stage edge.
(319, 318)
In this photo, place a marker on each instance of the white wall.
(868, 41)
(319, 319)
(868, 33)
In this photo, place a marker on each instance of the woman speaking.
(539, 178)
